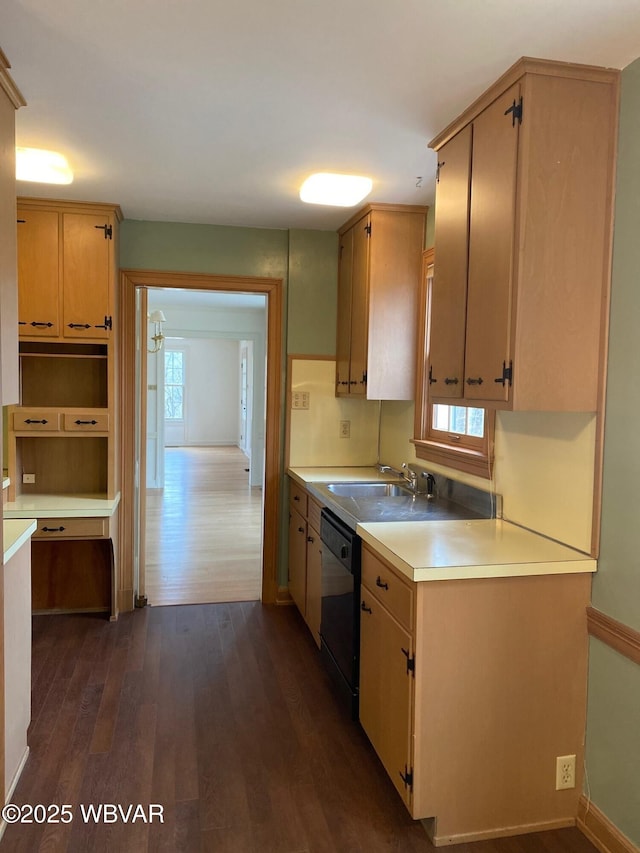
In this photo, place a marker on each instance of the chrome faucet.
(411, 477)
(387, 469)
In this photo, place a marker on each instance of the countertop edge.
(16, 532)
(84, 507)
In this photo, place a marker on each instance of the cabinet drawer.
(72, 528)
(86, 423)
(298, 498)
(385, 585)
(313, 514)
(34, 420)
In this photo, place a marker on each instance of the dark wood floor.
(222, 714)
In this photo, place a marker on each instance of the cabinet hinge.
(367, 228)
(438, 167)
(516, 112)
(407, 777)
(108, 323)
(411, 661)
(507, 374)
(364, 378)
(431, 379)
(108, 231)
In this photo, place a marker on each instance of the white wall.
(232, 324)
(212, 398)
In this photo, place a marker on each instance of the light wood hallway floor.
(204, 529)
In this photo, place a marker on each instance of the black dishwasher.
(340, 615)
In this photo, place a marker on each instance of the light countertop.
(449, 550)
(16, 532)
(480, 548)
(61, 506)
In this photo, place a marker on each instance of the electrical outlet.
(565, 772)
(28, 478)
(345, 429)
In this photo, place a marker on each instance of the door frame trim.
(132, 280)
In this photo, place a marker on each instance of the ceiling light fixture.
(43, 167)
(337, 190)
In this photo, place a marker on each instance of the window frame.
(183, 352)
(453, 450)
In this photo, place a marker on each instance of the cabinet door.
(38, 273)
(448, 297)
(314, 583)
(359, 308)
(86, 275)
(298, 559)
(386, 689)
(343, 342)
(491, 248)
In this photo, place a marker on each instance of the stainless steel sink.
(369, 490)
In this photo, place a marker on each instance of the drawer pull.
(364, 608)
(91, 423)
(477, 381)
(296, 497)
(382, 584)
(79, 326)
(53, 529)
(45, 325)
(33, 421)
(310, 539)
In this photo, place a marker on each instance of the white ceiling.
(214, 112)
(168, 298)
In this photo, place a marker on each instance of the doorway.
(134, 293)
(203, 482)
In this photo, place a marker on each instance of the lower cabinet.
(469, 691)
(305, 557)
(386, 689)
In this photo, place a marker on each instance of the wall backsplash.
(544, 461)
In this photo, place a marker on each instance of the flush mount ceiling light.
(44, 167)
(336, 190)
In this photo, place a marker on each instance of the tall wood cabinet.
(378, 287)
(523, 241)
(63, 435)
(10, 101)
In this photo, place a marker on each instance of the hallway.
(204, 529)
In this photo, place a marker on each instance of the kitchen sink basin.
(369, 490)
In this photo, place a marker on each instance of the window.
(174, 385)
(457, 436)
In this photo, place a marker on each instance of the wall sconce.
(157, 318)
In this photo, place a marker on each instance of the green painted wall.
(613, 722)
(313, 289)
(307, 261)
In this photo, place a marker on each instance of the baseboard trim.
(12, 787)
(502, 832)
(600, 831)
(621, 637)
(283, 596)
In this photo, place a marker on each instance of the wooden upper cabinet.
(491, 232)
(448, 297)
(38, 273)
(87, 275)
(379, 281)
(67, 264)
(538, 240)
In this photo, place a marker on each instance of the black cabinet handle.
(45, 325)
(92, 423)
(296, 497)
(310, 539)
(301, 530)
(477, 381)
(33, 421)
(79, 325)
(364, 608)
(53, 529)
(453, 381)
(382, 584)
